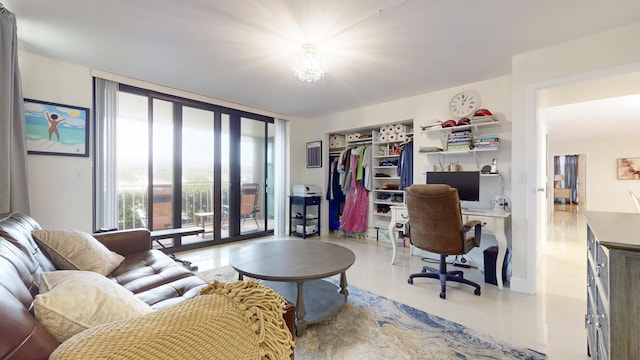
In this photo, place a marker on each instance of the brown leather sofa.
(150, 274)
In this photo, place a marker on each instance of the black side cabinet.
(304, 216)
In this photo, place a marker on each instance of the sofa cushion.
(156, 279)
(77, 250)
(78, 300)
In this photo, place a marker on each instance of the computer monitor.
(467, 182)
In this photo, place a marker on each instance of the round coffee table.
(295, 269)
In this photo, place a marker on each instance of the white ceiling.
(608, 118)
(238, 51)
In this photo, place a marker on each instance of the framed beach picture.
(629, 169)
(314, 154)
(56, 129)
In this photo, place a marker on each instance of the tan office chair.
(435, 220)
(636, 200)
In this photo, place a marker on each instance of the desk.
(494, 223)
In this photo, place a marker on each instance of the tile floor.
(552, 321)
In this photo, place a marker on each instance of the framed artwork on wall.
(629, 169)
(314, 154)
(56, 129)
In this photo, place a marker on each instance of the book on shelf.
(458, 143)
(486, 142)
(459, 147)
(460, 133)
(486, 147)
(486, 137)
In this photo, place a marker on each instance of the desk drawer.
(402, 216)
(488, 225)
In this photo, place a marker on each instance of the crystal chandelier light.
(308, 65)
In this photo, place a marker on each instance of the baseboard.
(521, 285)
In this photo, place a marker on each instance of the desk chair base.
(443, 275)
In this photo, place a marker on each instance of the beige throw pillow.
(77, 250)
(78, 300)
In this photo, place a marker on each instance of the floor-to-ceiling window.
(184, 163)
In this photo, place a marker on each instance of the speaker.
(490, 258)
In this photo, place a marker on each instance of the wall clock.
(464, 103)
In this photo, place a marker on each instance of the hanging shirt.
(360, 173)
(405, 166)
(344, 169)
(367, 162)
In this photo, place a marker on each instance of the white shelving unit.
(386, 181)
(472, 127)
(443, 133)
(384, 160)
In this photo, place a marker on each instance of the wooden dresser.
(613, 285)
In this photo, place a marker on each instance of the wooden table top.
(292, 260)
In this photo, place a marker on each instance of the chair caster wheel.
(477, 292)
(410, 281)
(443, 295)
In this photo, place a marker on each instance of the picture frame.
(56, 129)
(628, 168)
(314, 154)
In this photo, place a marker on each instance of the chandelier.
(308, 64)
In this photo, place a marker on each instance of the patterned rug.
(370, 326)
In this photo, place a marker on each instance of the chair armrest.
(473, 223)
(126, 242)
(477, 225)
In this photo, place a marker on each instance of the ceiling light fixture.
(308, 64)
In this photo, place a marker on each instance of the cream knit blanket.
(238, 320)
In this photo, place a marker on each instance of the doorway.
(569, 182)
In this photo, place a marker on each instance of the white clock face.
(464, 103)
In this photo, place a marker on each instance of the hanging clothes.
(354, 216)
(344, 177)
(360, 173)
(367, 164)
(405, 165)
(334, 194)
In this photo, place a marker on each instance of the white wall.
(423, 109)
(599, 55)
(60, 187)
(604, 192)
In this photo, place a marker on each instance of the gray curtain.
(567, 166)
(14, 194)
(571, 176)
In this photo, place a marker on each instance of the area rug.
(370, 326)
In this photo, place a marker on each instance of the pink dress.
(354, 215)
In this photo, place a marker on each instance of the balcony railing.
(133, 200)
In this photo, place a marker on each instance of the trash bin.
(490, 258)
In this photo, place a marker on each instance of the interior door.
(543, 189)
